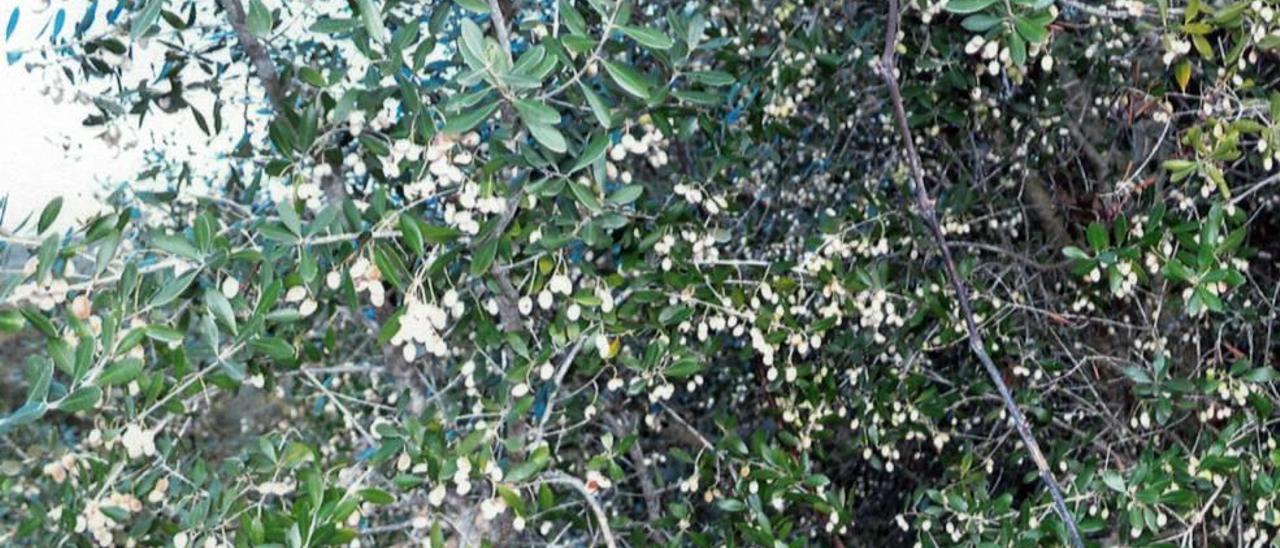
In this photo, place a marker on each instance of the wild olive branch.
(925, 209)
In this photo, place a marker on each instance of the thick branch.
(256, 52)
(925, 208)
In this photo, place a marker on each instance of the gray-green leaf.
(628, 79)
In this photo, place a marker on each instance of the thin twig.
(925, 207)
(565, 479)
(555, 388)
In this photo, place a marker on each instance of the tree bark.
(256, 52)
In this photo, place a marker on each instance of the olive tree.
(612, 273)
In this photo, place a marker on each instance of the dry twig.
(925, 206)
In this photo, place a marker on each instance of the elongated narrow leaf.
(648, 37)
(712, 77)
(221, 309)
(11, 321)
(120, 372)
(626, 194)
(82, 398)
(968, 6)
(483, 257)
(26, 414)
(537, 113)
(172, 289)
(464, 121)
(258, 19)
(1030, 30)
(144, 19)
(106, 252)
(372, 20)
(585, 196)
(592, 152)
(176, 245)
(549, 137)
(628, 79)
(39, 376)
(598, 108)
(412, 234)
(472, 42)
(289, 216)
(49, 214)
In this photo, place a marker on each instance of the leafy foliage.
(597, 272)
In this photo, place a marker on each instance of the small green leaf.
(38, 320)
(28, 413)
(549, 137)
(106, 252)
(412, 235)
(438, 234)
(39, 376)
(483, 257)
(372, 20)
(1017, 49)
(590, 153)
(1097, 236)
(1073, 252)
(472, 43)
(176, 245)
(143, 21)
(120, 372)
(462, 122)
(712, 77)
(980, 22)
(221, 309)
(1262, 374)
(650, 38)
(289, 216)
(376, 496)
(11, 321)
(259, 19)
(731, 505)
(163, 333)
(172, 290)
(537, 113)
(273, 347)
(968, 6)
(49, 214)
(598, 108)
(1113, 480)
(628, 79)
(585, 196)
(1032, 31)
(683, 368)
(82, 398)
(626, 194)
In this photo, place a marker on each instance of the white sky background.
(46, 151)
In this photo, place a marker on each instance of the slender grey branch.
(565, 479)
(256, 52)
(500, 27)
(555, 387)
(925, 209)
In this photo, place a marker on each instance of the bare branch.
(564, 479)
(925, 209)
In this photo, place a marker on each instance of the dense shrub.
(589, 272)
